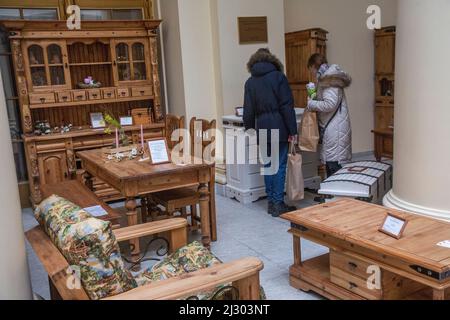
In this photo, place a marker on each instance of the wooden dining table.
(136, 178)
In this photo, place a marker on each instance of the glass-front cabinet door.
(47, 65)
(132, 61)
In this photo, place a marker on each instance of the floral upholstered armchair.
(76, 248)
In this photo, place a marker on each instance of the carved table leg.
(204, 214)
(88, 180)
(297, 245)
(132, 217)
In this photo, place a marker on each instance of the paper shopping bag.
(308, 139)
(295, 185)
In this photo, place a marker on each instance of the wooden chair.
(243, 273)
(179, 200)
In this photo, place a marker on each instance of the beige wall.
(350, 45)
(233, 56)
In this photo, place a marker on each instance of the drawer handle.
(64, 98)
(94, 95)
(142, 92)
(123, 93)
(352, 265)
(352, 285)
(42, 100)
(80, 97)
(109, 94)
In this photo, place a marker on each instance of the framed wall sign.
(253, 30)
(97, 120)
(394, 226)
(159, 151)
(126, 121)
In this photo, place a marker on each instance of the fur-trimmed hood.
(264, 56)
(335, 77)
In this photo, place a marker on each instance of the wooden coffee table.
(414, 267)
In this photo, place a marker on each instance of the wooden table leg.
(204, 214)
(438, 294)
(132, 217)
(88, 180)
(212, 204)
(297, 243)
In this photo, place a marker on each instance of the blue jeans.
(275, 183)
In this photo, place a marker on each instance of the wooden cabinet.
(300, 46)
(384, 92)
(51, 64)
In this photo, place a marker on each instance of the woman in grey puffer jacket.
(331, 106)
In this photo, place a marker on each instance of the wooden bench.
(78, 193)
(243, 273)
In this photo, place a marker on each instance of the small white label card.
(394, 226)
(96, 211)
(159, 152)
(126, 121)
(97, 120)
(444, 244)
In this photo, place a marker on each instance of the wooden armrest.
(243, 273)
(176, 230)
(148, 229)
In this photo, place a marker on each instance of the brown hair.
(316, 60)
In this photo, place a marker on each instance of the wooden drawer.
(42, 98)
(141, 91)
(109, 93)
(64, 96)
(94, 94)
(79, 95)
(123, 92)
(351, 273)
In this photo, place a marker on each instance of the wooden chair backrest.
(173, 123)
(204, 134)
(56, 266)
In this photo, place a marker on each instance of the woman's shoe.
(282, 208)
(270, 207)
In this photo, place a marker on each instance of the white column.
(422, 109)
(14, 277)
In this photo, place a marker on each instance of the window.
(111, 14)
(28, 14)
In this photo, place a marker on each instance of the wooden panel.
(384, 117)
(385, 51)
(353, 283)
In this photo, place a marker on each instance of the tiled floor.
(243, 231)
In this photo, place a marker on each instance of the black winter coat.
(268, 102)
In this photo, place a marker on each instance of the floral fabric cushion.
(190, 258)
(87, 243)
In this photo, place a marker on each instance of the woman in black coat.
(269, 105)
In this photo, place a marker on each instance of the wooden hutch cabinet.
(50, 65)
(384, 92)
(300, 46)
